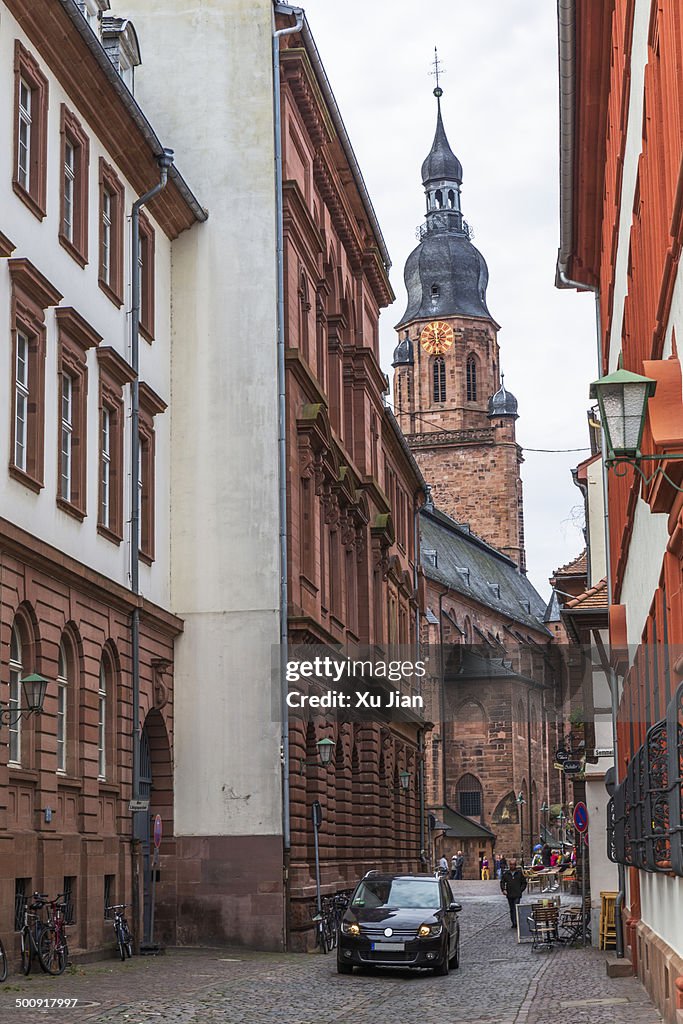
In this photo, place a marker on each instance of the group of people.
(455, 869)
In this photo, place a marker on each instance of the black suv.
(400, 921)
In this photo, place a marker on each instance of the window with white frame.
(66, 434)
(62, 697)
(105, 469)
(24, 135)
(105, 269)
(102, 723)
(69, 178)
(15, 673)
(21, 401)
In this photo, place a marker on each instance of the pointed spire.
(442, 165)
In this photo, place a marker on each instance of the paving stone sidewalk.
(499, 982)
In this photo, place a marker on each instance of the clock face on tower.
(436, 337)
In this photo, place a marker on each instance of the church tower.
(449, 394)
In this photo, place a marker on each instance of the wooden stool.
(608, 932)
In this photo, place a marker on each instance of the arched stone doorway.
(156, 785)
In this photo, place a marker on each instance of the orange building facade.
(621, 236)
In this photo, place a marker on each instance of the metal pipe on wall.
(282, 444)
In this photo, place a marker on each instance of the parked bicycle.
(54, 948)
(124, 939)
(32, 932)
(328, 920)
(3, 964)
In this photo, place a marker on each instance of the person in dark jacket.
(513, 883)
(546, 854)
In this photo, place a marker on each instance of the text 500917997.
(53, 1003)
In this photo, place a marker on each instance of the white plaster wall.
(596, 522)
(641, 578)
(661, 904)
(603, 873)
(38, 241)
(206, 81)
(634, 144)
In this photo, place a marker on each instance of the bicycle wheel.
(127, 940)
(322, 937)
(25, 951)
(52, 952)
(3, 963)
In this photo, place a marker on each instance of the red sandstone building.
(621, 88)
(496, 680)
(353, 494)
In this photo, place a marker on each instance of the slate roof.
(441, 164)
(448, 261)
(493, 579)
(552, 612)
(460, 827)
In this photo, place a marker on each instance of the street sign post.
(562, 755)
(581, 817)
(138, 805)
(155, 869)
(581, 826)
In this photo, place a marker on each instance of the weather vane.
(438, 70)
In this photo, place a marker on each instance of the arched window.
(439, 199)
(471, 378)
(435, 291)
(451, 198)
(16, 670)
(439, 379)
(102, 720)
(399, 393)
(469, 796)
(62, 712)
(471, 720)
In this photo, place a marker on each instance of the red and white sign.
(581, 817)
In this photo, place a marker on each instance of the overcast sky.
(500, 109)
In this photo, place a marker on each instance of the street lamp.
(622, 397)
(520, 804)
(325, 748)
(35, 688)
(545, 810)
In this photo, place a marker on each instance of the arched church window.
(439, 379)
(439, 199)
(469, 793)
(471, 379)
(451, 198)
(399, 395)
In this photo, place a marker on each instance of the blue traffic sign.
(581, 817)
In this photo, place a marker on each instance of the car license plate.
(388, 947)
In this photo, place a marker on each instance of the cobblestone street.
(499, 982)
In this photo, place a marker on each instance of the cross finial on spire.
(436, 73)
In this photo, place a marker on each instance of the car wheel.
(441, 968)
(455, 959)
(344, 968)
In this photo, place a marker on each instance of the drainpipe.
(566, 282)
(420, 735)
(165, 162)
(282, 447)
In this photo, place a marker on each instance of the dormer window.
(435, 292)
(91, 10)
(120, 43)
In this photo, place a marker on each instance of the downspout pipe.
(282, 440)
(612, 676)
(165, 163)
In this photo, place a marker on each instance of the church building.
(449, 393)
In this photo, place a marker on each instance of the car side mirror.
(455, 907)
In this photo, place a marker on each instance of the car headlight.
(428, 931)
(350, 928)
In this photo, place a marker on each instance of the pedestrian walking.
(443, 866)
(460, 864)
(497, 870)
(454, 867)
(513, 883)
(485, 870)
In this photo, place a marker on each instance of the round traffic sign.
(157, 832)
(581, 817)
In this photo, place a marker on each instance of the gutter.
(331, 102)
(128, 100)
(282, 457)
(566, 17)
